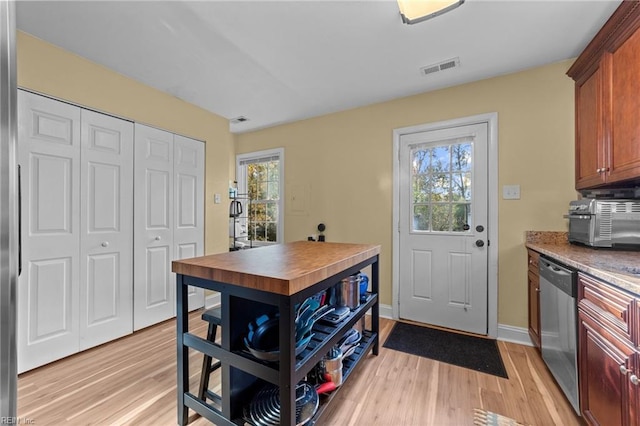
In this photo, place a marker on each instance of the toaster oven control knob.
(479, 243)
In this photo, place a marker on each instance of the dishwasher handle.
(555, 269)
(560, 276)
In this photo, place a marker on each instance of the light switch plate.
(216, 198)
(511, 192)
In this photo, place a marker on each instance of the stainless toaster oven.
(605, 222)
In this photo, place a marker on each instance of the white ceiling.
(280, 61)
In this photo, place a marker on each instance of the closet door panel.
(48, 289)
(106, 246)
(154, 284)
(188, 235)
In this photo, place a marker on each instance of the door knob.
(479, 243)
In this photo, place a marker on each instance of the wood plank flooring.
(132, 381)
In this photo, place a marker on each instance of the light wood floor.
(132, 382)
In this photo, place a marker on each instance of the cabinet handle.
(598, 170)
(105, 244)
(158, 238)
(623, 370)
(634, 379)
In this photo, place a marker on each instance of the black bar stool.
(214, 318)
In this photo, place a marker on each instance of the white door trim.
(492, 268)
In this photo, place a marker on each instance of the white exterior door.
(188, 178)
(443, 227)
(48, 289)
(154, 286)
(106, 245)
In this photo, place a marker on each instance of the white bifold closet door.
(75, 290)
(188, 228)
(106, 223)
(168, 218)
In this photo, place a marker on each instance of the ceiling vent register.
(442, 66)
(240, 119)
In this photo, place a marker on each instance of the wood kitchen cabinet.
(608, 357)
(607, 98)
(534, 297)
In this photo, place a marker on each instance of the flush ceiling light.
(413, 11)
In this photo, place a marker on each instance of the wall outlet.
(511, 192)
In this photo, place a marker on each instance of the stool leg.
(206, 364)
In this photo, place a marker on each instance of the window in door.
(260, 179)
(441, 185)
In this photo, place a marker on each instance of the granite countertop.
(618, 267)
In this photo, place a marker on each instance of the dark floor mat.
(471, 352)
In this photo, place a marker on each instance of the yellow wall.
(343, 163)
(47, 69)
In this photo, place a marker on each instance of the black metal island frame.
(270, 280)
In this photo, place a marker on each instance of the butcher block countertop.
(618, 267)
(282, 268)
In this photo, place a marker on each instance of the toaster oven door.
(581, 228)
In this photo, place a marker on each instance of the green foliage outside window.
(441, 187)
(263, 184)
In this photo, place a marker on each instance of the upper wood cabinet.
(608, 103)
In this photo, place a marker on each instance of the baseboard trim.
(212, 300)
(386, 311)
(509, 333)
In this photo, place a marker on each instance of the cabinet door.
(624, 152)
(590, 150)
(49, 155)
(154, 287)
(604, 386)
(534, 308)
(106, 238)
(188, 230)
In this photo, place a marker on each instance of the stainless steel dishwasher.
(558, 325)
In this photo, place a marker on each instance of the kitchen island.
(270, 280)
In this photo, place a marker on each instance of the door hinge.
(488, 243)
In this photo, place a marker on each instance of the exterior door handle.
(479, 243)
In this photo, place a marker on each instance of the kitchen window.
(260, 177)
